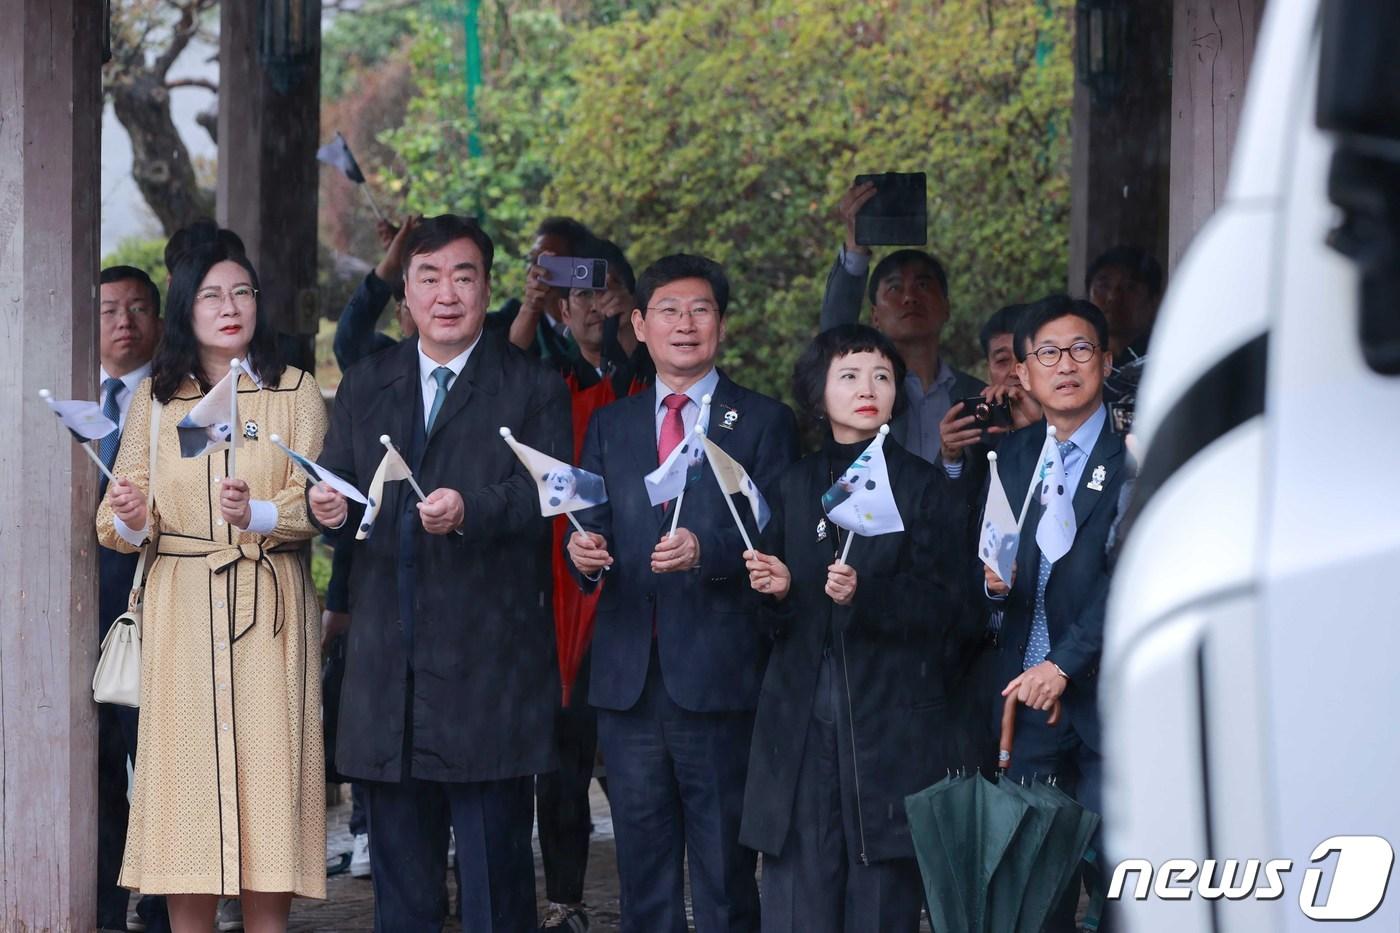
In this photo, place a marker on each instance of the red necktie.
(672, 427)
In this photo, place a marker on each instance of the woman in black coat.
(851, 716)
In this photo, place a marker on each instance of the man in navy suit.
(128, 328)
(677, 657)
(1052, 624)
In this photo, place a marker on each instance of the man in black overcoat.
(450, 683)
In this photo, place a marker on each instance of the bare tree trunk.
(160, 161)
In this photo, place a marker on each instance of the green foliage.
(148, 255)
(520, 121)
(731, 129)
(359, 40)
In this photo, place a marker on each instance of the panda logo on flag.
(565, 485)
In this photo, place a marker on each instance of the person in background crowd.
(209, 820)
(129, 327)
(1125, 283)
(597, 373)
(532, 322)
(355, 333)
(849, 688)
(450, 685)
(1053, 614)
(908, 294)
(677, 656)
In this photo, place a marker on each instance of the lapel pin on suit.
(730, 417)
(1096, 480)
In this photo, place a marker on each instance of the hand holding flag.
(85, 421)
(862, 500)
(682, 467)
(563, 489)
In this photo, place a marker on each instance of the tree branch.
(192, 82)
(181, 34)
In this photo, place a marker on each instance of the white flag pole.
(389, 445)
(728, 499)
(1035, 477)
(574, 521)
(370, 198)
(233, 369)
(850, 536)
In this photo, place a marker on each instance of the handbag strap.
(139, 578)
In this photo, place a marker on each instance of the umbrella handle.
(1008, 729)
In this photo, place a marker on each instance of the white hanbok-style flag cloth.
(319, 474)
(734, 480)
(1055, 532)
(83, 419)
(336, 154)
(562, 488)
(683, 467)
(207, 429)
(1001, 535)
(862, 500)
(391, 468)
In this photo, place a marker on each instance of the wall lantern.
(1101, 37)
(289, 32)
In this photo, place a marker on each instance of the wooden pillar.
(50, 124)
(268, 182)
(1120, 148)
(1212, 49)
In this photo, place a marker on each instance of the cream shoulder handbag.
(118, 676)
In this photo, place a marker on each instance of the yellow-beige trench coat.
(229, 791)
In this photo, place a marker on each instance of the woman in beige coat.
(229, 794)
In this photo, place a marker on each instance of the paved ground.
(349, 903)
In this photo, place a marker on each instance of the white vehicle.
(1251, 688)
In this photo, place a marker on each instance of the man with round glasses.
(1053, 611)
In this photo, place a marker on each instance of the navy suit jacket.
(712, 651)
(1077, 594)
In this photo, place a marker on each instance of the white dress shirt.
(426, 367)
(131, 380)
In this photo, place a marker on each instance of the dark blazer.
(1077, 594)
(485, 684)
(886, 647)
(711, 651)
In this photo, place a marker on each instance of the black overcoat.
(887, 649)
(485, 682)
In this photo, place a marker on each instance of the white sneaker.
(359, 859)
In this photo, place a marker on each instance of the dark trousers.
(359, 809)
(408, 822)
(817, 884)
(561, 798)
(1040, 752)
(116, 742)
(676, 786)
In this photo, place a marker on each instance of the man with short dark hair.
(908, 294)
(1125, 283)
(533, 322)
(677, 656)
(129, 327)
(450, 683)
(1053, 612)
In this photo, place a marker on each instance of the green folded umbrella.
(1015, 877)
(962, 828)
(1068, 837)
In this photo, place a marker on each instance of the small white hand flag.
(562, 488)
(392, 467)
(336, 154)
(84, 419)
(319, 474)
(734, 479)
(1001, 535)
(684, 466)
(211, 424)
(1055, 532)
(862, 500)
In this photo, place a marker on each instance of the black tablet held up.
(898, 213)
